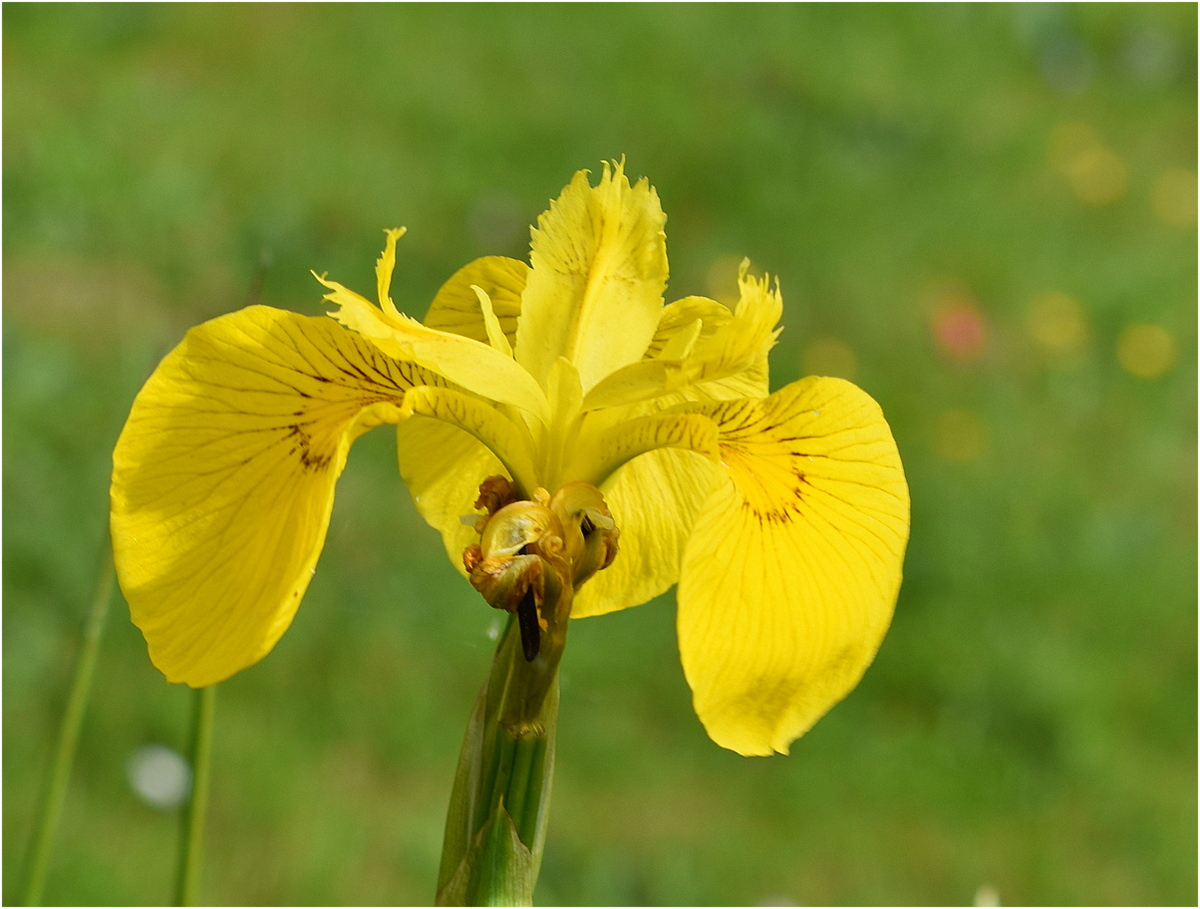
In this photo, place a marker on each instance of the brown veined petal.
(456, 307)
(599, 266)
(792, 570)
(223, 480)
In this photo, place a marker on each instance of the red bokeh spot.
(960, 330)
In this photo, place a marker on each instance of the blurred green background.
(984, 215)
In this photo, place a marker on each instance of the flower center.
(533, 554)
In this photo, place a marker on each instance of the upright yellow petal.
(223, 480)
(729, 355)
(496, 337)
(456, 307)
(680, 315)
(733, 357)
(594, 292)
(791, 574)
(384, 266)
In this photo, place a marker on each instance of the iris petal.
(599, 455)
(654, 500)
(442, 466)
(791, 574)
(456, 307)
(474, 365)
(508, 440)
(599, 266)
(682, 313)
(224, 476)
(731, 351)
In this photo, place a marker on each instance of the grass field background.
(983, 215)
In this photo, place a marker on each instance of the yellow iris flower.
(782, 517)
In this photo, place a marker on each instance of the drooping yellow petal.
(456, 307)
(654, 500)
(223, 480)
(792, 570)
(599, 266)
(474, 365)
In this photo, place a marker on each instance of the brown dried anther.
(533, 554)
(591, 533)
(494, 493)
(519, 566)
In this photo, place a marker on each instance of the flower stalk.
(531, 557)
(496, 826)
(191, 842)
(51, 801)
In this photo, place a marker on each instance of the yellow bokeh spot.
(1174, 197)
(1098, 177)
(960, 436)
(1096, 174)
(1068, 141)
(1057, 323)
(1146, 351)
(829, 356)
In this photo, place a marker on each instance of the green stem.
(496, 826)
(204, 705)
(51, 801)
(537, 800)
(519, 782)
